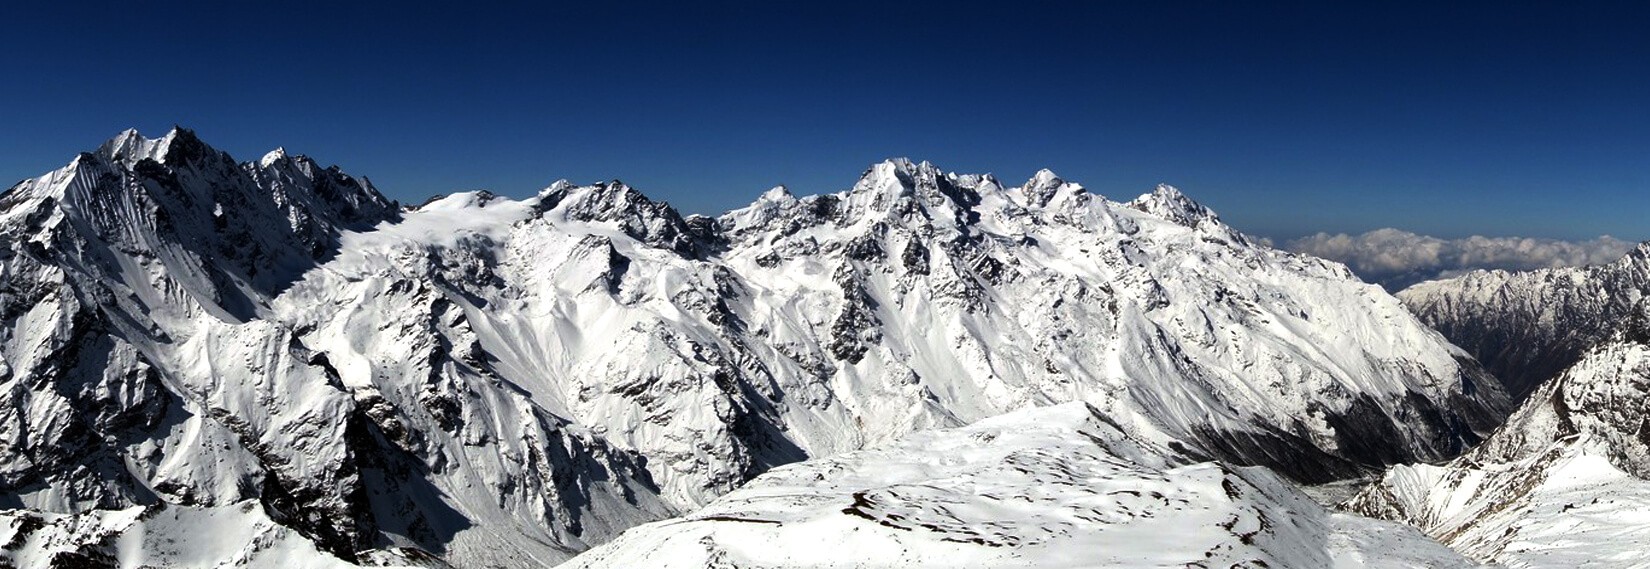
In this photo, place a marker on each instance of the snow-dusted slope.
(1051, 487)
(1529, 326)
(494, 381)
(1562, 484)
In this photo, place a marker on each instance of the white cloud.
(1395, 258)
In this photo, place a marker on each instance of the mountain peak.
(653, 222)
(893, 175)
(561, 185)
(278, 154)
(1167, 202)
(1044, 186)
(904, 187)
(1046, 177)
(130, 146)
(777, 193)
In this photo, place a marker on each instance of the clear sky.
(1504, 118)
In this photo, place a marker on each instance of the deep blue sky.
(1507, 118)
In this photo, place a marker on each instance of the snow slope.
(1052, 487)
(507, 382)
(1563, 484)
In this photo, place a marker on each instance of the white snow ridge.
(209, 363)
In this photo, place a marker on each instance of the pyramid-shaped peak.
(1169, 192)
(1046, 178)
(276, 155)
(1044, 186)
(777, 193)
(1169, 203)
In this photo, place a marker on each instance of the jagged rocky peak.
(193, 173)
(177, 145)
(1045, 186)
(601, 201)
(894, 192)
(1639, 255)
(176, 148)
(276, 155)
(227, 232)
(903, 188)
(894, 189)
(297, 180)
(130, 146)
(655, 223)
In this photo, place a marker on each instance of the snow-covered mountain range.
(1562, 484)
(272, 357)
(1527, 327)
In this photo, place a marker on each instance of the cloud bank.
(1395, 258)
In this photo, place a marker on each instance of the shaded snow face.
(493, 381)
(1050, 487)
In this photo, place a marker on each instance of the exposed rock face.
(1527, 327)
(489, 381)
